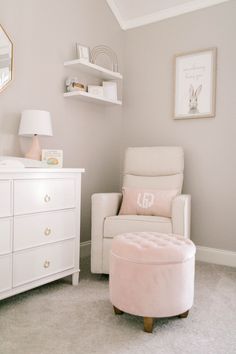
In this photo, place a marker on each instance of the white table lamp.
(32, 124)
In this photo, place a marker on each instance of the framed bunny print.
(195, 84)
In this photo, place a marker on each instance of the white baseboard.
(85, 249)
(216, 256)
(204, 254)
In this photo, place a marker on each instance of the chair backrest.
(159, 167)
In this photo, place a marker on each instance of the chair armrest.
(181, 213)
(103, 205)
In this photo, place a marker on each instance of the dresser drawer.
(5, 272)
(37, 229)
(39, 195)
(5, 236)
(5, 198)
(42, 261)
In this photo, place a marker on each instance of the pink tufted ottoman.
(152, 275)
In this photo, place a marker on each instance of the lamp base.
(34, 152)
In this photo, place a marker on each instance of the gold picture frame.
(195, 84)
(11, 62)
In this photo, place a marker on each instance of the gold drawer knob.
(47, 231)
(46, 264)
(47, 198)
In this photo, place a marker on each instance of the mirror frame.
(6, 85)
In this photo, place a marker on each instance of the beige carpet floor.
(60, 319)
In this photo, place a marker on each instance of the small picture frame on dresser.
(52, 158)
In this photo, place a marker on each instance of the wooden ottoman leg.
(117, 311)
(148, 324)
(184, 315)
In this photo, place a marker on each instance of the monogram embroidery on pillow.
(145, 200)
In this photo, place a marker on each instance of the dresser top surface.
(41, 170)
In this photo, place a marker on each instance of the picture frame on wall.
(195, 84)
(83, 52)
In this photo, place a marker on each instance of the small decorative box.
(95, 90)
(110, 90)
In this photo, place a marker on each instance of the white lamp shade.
(35, 122)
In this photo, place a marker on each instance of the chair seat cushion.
(115, 225)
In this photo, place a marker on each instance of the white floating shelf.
(93, 69)
(85, 96)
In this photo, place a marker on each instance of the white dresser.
(39, 227)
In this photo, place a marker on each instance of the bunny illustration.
(193, 99)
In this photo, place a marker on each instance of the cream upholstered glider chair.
(144, 167)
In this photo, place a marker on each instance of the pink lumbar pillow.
(147, 202)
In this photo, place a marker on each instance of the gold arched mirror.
(6, 54)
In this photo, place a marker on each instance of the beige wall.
(44, 33)
(210, 144)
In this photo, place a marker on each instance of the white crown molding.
(184, 8)
(116, 13)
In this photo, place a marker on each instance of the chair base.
(148, 321)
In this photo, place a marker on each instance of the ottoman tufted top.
(153, 247)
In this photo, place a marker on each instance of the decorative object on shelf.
(32, 124)
(195, 84)
(107, 51)
(110, 89)
(95, 90)
(73, 84)
(83, 52)
(52, 158)
(6, 59)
